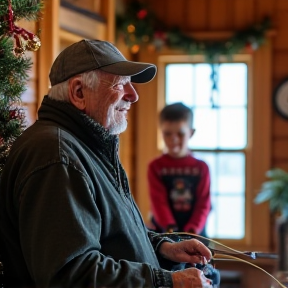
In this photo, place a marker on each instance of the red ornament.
(249, 47)
(160, 35)
(142, 14)
(13, 114)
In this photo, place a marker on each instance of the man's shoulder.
(33, 137)
(44, 143)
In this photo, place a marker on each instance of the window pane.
(178, 83)
(227, 172)
(210, 158)
(232, 84)
(231, 173)
(227, 220)
(232, 128)
(219, 129)
(205, 123)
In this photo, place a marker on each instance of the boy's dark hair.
(177, 112)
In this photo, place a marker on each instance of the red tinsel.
(23, 38)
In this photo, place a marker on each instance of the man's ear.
(75, 93)
(192, 131)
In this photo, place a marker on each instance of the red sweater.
(179, 190)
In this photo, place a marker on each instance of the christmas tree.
(14, 67)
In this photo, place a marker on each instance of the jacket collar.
(82, 126)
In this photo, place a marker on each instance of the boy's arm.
(158, 200)
(202, 206)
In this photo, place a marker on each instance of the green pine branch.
(14, 70)
(27, 9)
(13, 76)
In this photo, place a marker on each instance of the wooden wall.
(232, 15)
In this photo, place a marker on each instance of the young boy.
(179, 184)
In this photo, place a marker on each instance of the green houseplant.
(275, 191)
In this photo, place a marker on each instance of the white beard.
(117, 121)
(117, 128)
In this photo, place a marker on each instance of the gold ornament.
(33, 44)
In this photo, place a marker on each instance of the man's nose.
(130, 93)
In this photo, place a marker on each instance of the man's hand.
(189, 251)
(191, 277)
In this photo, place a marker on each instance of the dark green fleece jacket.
(67, 217)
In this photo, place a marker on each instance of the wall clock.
(280, 99)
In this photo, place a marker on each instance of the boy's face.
(176, 135)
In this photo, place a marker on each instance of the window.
(257, 152)
(221, 138)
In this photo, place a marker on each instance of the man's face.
(176, 135)
(109, 102)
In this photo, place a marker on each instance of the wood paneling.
(280, 148)
(224, 8)
(261, 160)
(92, 5)
(196, 15)
(49, 26)
(280, 127)
(175, 16)
(108, 11)
(243, 13)
(280, 65)
(264, 9)
(146, 119)
(159, 8)
(281, 24)
(282, 164)
(81, 24)
(281, 5)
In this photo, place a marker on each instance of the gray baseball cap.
(87, 55)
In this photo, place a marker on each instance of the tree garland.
(139, 26)
(14, 67)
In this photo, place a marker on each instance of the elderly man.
(67, 217)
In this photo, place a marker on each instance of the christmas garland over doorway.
(139, 26)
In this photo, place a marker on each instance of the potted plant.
(275, 191)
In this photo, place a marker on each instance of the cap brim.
(140, 72)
